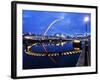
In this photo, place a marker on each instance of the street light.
(86, 20)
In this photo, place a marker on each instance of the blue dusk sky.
(37, 22)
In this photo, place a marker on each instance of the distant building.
(60, 35)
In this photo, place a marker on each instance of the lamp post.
(86, 62)
(86, 20)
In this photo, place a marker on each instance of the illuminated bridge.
(30, 41)
(45, 39)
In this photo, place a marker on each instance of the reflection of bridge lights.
(28, 48)
(57, 44)
(63, 43)
(73, 52)
(70, 52)
(34, 44)
(60, 44)
(53, 54)
(50, 41)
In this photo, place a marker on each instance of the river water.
(37, 62)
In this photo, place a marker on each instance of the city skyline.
(45, 22)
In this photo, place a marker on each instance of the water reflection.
(53, 48)
(50, 54)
